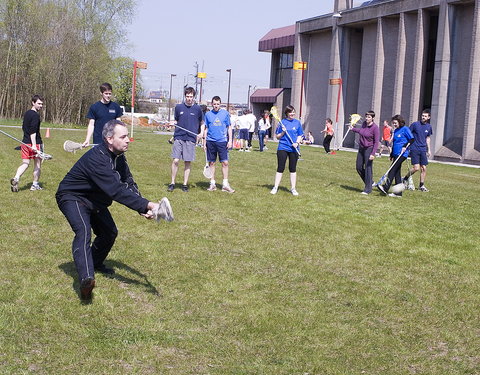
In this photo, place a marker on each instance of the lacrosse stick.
(274, 112)
(42, 155)
(382, 179)
(71, 146)
(354, 118)
(188, 131)
(164, 211)
(207, 171)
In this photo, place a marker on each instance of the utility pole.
(196, 76)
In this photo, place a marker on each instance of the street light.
(228, 96)
(170, 96)
(248, 96)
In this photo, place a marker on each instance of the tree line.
(62, 50)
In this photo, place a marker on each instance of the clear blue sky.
(171, 36)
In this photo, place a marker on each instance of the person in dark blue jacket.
(402, 136)
(99, 177)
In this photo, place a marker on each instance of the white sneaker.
(294, 192)
(35, 187)
(265, 147)
(247, 150)
(394, 195)
(241, 150)
(228, 189)
(274, 190)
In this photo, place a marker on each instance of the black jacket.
(100, 177)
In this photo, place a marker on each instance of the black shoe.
(105, 270)
(382, 189)
(86, 287)
(185, 188)
(170, 141)
(171, 187)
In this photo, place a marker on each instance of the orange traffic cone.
(47, 134)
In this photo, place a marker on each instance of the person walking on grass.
(386, 142)
(32, 138)
(189, 116)
(289, 133)
(263, 126)
(367, 146)
(217, 134)
(99, 177)
(328, 135)
(402, 137)
(100, 113)
(251, 128)
(420, 151)
(243, 132)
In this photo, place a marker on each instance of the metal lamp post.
(170, 96)
(229, 80)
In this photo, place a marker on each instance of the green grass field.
(330, 282)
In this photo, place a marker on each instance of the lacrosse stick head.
(71, 146)
(207, 171)
(354, 118)
(164, 210)
(42, 155)
(274, 112)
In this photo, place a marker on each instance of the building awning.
(265, 95)
(282, 37)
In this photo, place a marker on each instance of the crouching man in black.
(99, 177)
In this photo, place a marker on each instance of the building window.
(283, 72)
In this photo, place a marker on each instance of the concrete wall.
(316, 82)
(461, 41)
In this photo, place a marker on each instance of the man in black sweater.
(32, 140)
(99, 177)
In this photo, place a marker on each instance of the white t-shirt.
(251, 120)
(243, 122)
(264, 124)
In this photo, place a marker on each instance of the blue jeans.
(261, 138)
(82, 220)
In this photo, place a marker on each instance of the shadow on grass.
(270, 187)
(69, 269)
(351, 188)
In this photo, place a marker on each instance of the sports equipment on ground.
(164, 211)
(354, 118)
(384, 177)
(274, 112)
(207, 171)
(398, 188)
(71, 146)
(41, 154)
